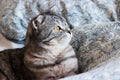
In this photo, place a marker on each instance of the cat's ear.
(37, 22)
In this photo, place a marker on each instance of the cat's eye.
(57, 28)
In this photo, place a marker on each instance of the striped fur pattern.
(49, 55)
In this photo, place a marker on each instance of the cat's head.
(48, 26)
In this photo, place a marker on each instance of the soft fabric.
(109, 70)
(98, 50)
(15, 14)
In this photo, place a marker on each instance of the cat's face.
(47, 27)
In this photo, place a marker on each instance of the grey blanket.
(15, 14)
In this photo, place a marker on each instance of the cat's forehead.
(50, 20)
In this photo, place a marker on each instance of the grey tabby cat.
(47, 54)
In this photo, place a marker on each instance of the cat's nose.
(69, 31)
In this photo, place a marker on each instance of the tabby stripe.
(45, 41)
(49, 34)
(4, 74)
(58, 62)
(51, 65)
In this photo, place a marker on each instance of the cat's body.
(47, 54)
(11, 64)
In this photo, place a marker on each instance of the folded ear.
(35, 25)
(37, 22)
(39, 18)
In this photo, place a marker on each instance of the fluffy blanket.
(15, 14)
(108, 71)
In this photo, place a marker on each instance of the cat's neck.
(52, 46)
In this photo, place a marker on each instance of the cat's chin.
(69, 36)
(64, 38)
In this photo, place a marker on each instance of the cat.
(47, 54)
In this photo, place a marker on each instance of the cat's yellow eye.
(57, 28)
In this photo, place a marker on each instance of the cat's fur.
(47, 54)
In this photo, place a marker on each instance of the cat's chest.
(48, 56)
(45, 54)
